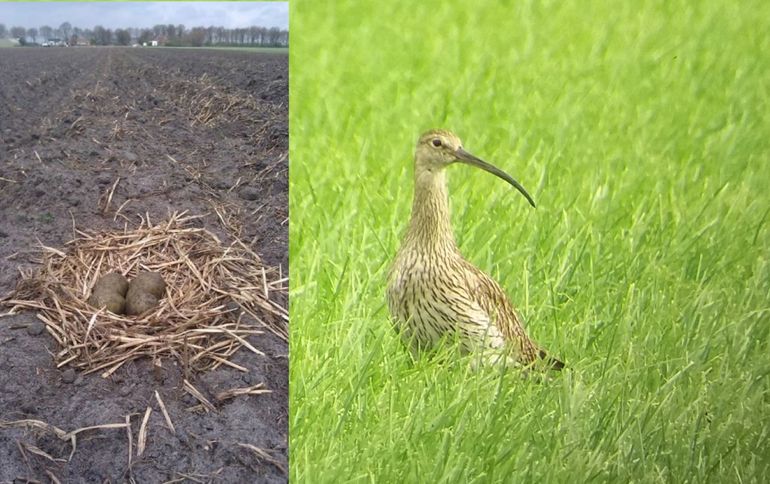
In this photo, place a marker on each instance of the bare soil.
(162, 131)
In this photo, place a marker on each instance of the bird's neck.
(430, 226)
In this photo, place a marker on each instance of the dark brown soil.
(198, 130)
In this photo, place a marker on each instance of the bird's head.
(439, 148)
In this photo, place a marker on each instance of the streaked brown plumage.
(432, 290)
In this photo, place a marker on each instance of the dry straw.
(200, 322)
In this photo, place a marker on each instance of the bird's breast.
(428, 297)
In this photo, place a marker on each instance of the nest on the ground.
(216, 297)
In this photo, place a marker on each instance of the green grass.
(642, 132)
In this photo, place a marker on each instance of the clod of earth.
(144, 292)
(110, 291)
(130, 156)
(68, 375)
(36, 328)
(250, 193)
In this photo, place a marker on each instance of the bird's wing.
(492, 298)
(460, 310)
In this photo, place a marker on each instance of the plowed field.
(91, 139)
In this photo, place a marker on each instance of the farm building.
(54, 42)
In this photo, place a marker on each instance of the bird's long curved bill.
(468, 158)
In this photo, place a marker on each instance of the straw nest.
(216, 297)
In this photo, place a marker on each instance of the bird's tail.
(553, 363)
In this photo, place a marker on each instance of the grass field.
(642, 133)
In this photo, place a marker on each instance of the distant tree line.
(170, 35)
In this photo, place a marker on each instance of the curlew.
(433, 291)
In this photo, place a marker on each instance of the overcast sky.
(145, 14)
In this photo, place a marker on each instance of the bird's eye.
(437, 142)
